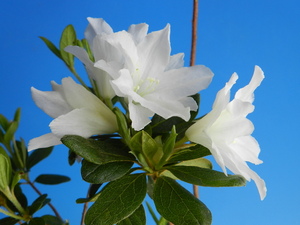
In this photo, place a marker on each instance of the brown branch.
(193, 58)
(50, 205)
(194, 33)
(85, 206)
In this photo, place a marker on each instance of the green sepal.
(206, 177)
(38, 203)
(118, 200)
(51, 47)
(96, 151)
(68, 37)
(51, 179)
(136, 218)
(37, 156)
(98, 174)
(178, 205)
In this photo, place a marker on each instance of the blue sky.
(233, 36)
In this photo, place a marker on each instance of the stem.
(72, 69)
(11, 214)
(193, 58)
(85, 207)
(40, 193)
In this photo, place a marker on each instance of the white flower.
(226, 131)
(76, 111)
(143, 72)
(97, 27)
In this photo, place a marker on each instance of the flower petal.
(44, 141)
(154, 48)
(178, 83)
(84, 122)
(246, 93)
(51, 102)
(138, 32)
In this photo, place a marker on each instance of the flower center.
(144, 86)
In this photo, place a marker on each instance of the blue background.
(233, 36)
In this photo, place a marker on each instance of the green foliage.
(118, 200)
(96, 151)
(51, 179)
(37, 156)
(206, 177)
(178, 205)
(98, 174)
(136, 218)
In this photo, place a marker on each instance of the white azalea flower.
(226, 131)
(96, 27)
(142, 71)
(75, 110)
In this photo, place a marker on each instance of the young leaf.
(179, 206)
(51, 179)
(142, 142)
(38, 155)
(98, 152)
(98, 174)
(10, 132)
(68, 37)
(118, 200)
(52, 47)
(206, 177)
(136, 218)
(5, 171)
(39, 203)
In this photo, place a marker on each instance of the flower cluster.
(157, 122)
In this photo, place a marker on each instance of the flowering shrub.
(136, 130)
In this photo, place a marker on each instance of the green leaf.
(179, 206)
(51, 179)
(206, 177)
(136, 218)
(5, 171)
(68, 37)
(10, 132)
(118, 200)
(39, 203)
(52, 47)
(98, 174)
(37, 221)
(38, 155)
(168, 148)
(143, 143)
(52, 220)
(124, 131)
(196, 97)
(200, 162)
(194, 152)
(4, 122)
(98, 152)
(17, 116)
(8, 221)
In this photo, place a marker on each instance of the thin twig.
(193, 58)
(85, 206)
(50, 205)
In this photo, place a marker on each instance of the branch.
(193, 58)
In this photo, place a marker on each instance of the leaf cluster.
(15, 165)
